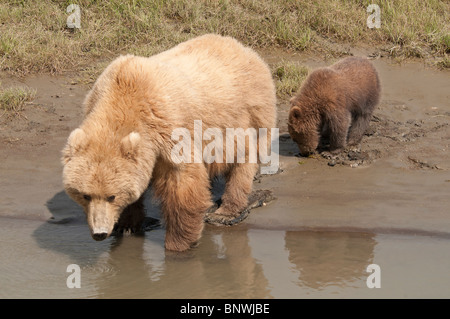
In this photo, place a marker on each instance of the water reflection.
(230, 262)
(237, 263)
(316, 260)
(222, 266)
(330, 258)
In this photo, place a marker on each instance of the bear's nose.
(99, 236)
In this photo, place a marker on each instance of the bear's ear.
(296, 113)
(294, 118)
(75, 142)
(130, 144)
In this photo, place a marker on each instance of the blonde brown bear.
(124, 141)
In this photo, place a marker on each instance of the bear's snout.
(304, 152)
(100, 218)
(99, 236)
(100, 233)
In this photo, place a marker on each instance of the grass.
(13, 99)
(288, 77)
(444, 63)
(34, 37)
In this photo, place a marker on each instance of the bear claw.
(256, 199)
(148, 224)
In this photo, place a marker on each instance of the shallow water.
(235, 262)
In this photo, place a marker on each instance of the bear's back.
(219, 80)
(357, 72)
(359, 81)
(210, 78)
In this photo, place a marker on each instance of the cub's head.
(303, 127)
(101, 174)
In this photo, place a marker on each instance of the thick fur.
(125, 140)
(335, 102)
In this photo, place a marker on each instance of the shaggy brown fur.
(336, 103)
(125, 138)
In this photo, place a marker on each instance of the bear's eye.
(111, 198)
(87, 197)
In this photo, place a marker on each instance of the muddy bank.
(397, 181)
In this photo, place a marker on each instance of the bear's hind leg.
(338, 126)
(185, 197)
(359, 125)
(239, 183)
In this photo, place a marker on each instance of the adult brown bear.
(125, 139)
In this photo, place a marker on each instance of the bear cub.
(334, 103)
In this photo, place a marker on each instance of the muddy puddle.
(234, 262)
(386, 203)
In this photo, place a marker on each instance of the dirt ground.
(398, 182)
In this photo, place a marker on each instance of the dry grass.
(34, 37)
(288, 77)
(13, 99)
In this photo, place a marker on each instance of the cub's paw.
(332, 154)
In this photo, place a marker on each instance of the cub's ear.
(295, 112)
(130, 145)
(294, 118)
(75, 142)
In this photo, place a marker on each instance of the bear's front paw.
(179, 246)
(125, 230)
(148, 224)
(329, 155)
(354, 148)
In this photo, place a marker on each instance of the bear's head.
(102, 175)
(303, 127)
